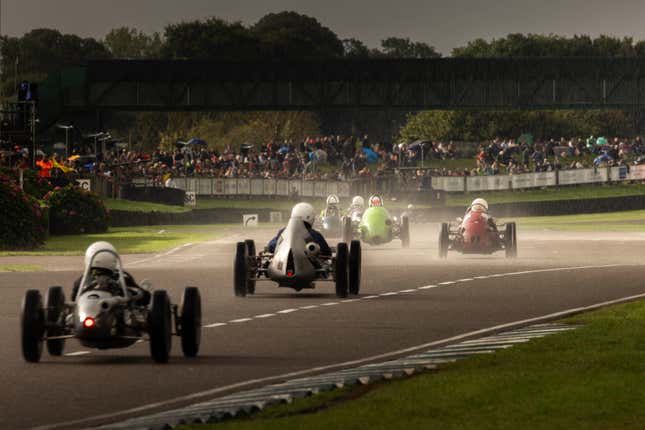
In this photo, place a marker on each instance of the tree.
(212, 39)
(398, 47)
(291, 35)
(354, 48)
(129, 43)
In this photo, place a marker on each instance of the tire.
(510, 240)
(348, 234)
(32, 326)
(405, 232)
(342, 270)
(191, 321)
(160, 326)
(241, 271)
(55, 307)
(355, 261)
(444, 240)
(250, 248)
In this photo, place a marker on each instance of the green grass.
(130, 205)
(610, 221)
(590, 378)
(130, 240)
(20, 268)
(563, 193)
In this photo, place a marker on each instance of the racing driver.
(307, 213)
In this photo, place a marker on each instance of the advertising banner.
(243, 186)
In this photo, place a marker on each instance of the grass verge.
(20, 268)
(130, 240)
(563, 193)
(610, 221)
(589, 378)
(130, 205)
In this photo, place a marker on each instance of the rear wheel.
(191, 321)
(160, 325)
(342, 269)
(250, 249)
(241, 272)
(32, 324)
(55, 307)
(405, 232)
(355, 261)
(444, 240)
(510, 240)
(347, 230)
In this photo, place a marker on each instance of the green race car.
(376, 226)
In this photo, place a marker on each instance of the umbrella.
(372, 157)
(601, 141)
(196, 141)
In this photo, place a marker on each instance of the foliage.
(539, 45)
(211, 39)
(74, 211)
(32, 184)
(483, 125)
(23, 222)
(291, 35)
(399, 47)
(130, 43)
(354, 48)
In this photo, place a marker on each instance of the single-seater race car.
(330, 217)
(477, 233)
(377, 226)
(109, 310)
(297, 263)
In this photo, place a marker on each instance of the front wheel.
(32, 324)
(55, 307)
(191, 321)
(241, 271)
(355, 261)
(444, 240)
(342, 266)
(405, 232)
(160, 325)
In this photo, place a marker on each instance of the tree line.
(289, 35)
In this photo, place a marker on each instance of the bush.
(23, 223)
(73, 211)
(32, 184)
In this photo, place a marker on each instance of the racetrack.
(403, 303)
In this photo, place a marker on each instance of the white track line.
(286, 311)
(309, 307)
(76, 353)
(214, 325)
(314, 370)
(240, 320)
(264, 316)
(330, 304)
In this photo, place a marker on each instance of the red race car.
(477, 233)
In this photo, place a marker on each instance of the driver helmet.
(332, 200)
(376, 201)
(304, 211)
(358, 201)
(103, 256)
(479, 205)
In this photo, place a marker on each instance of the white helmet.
(376, 200)
(479, 205)
(304, 211)
(101, 255)
(358, 201)
(333, 199)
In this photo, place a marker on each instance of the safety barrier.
(538, 179)
(257, 187)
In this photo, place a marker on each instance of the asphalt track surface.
(408, 297)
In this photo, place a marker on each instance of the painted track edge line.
(475, 333)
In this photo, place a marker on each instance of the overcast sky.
(444, 24)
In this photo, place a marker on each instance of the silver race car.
(109, 310)
(297, 263)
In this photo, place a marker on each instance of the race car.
(475, 234)
(109, 310)
(376, 226)
(297, 263)
(330, 217)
